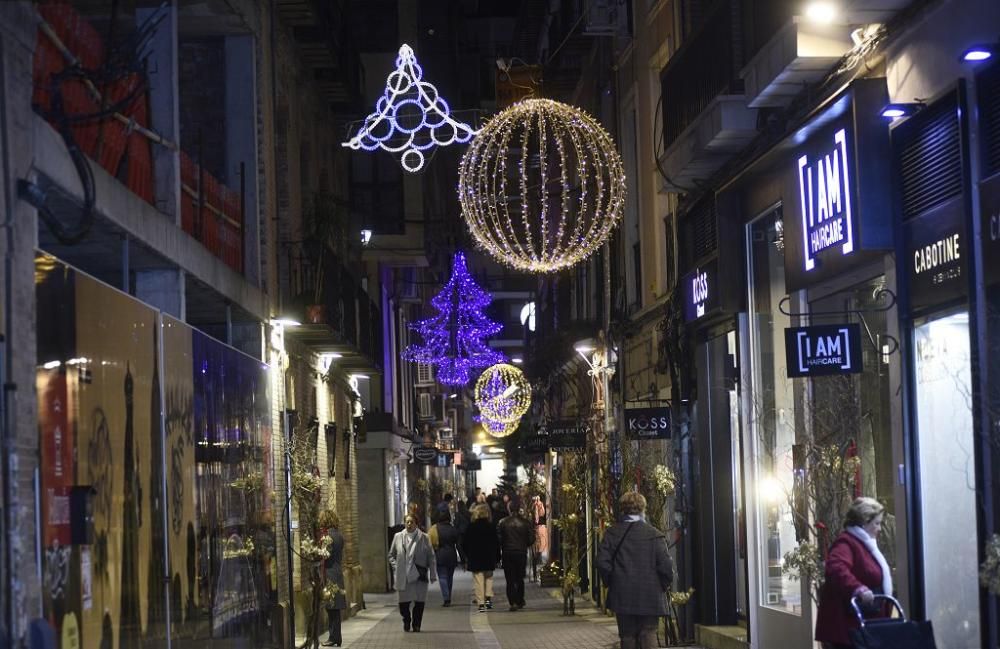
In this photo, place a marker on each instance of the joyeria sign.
(825, 195)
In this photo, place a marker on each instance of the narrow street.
(540, 625)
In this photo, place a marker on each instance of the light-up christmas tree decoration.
(410, 117)
(541, 186)
(503, 394)
(454, 341)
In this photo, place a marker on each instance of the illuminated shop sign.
(647, 423)
(568, 434)
(701, 292)
(823, 350)
(989, 204)
(825, 195)
(936, 254)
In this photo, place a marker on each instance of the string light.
(541, 186)
(496, 428)
(454, 341)
(503, 394)
(410, 118)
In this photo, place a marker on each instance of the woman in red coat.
(855, 567)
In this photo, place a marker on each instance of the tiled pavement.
(540, 625)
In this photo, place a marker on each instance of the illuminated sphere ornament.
(496, 428)
(410, 117)
(541, 186)
(503, 395)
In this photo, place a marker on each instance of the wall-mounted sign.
(568, 434)
(471, 463)
(936, 254)
(835, 183)
(647, 423)
(822, 350)
(989, 205)
(425, 454)
(701, 291)
(825, 196)
(445, 460)
(535, 444)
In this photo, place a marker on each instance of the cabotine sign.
(823, 350)
(825, 195)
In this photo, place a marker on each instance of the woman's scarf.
(870, 543)
(410, 554)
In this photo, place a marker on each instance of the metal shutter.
(988, 90)
(928, 152)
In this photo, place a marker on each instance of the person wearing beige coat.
(414, 568)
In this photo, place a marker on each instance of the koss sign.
(823, 350)
(701, 293)
(647, 423)
(825, 195)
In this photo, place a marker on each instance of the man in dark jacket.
(516, 536)
(634, 563)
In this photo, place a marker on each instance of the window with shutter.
(425, 374)
(425, 406)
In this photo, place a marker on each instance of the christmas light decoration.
(503, 394)
(410, 118)
(496, 428)
(454, 341)
(541, 186)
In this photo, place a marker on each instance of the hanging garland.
(541, 186)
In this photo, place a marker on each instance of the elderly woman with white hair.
(414, 567)
(635, 564)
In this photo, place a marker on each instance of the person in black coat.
(634, 562)
(516, 536)
(334, 570)
(482, 552)
(445, 540)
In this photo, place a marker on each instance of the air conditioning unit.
(425, 406)
(425, 374)
(606, 18)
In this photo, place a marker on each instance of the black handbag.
(421, 572)
(891, 633)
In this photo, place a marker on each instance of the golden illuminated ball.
(541, 186)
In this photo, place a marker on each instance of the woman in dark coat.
(855, 567)
(334, 570)
(634, 563)
(482, 552)
(445, 540)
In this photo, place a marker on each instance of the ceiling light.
(360, 376)
(51, 365)
(285, 322)
(978, 53)
(517, 360)
(820, 12)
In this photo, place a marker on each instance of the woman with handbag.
(444, 539)
(334, 569)
(634, 562)
(413, 567)
(855, 567)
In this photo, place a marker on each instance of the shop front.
(815, 354)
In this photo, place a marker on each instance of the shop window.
(774, 418)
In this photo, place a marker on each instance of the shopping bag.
(891, 633)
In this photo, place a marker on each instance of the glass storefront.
(943, 397)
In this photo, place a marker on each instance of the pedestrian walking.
(541, 549)
(413, 566)
(461, 523)
(481, 554)
(855, 567)
(334, 572)
(516, 536)
(634, 562)
(445, 539)
(444, 505)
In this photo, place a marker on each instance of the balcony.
(336, 313)
(705, 116)
(800, 53)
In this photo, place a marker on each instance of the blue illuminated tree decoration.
(454, 341)
(410, 117)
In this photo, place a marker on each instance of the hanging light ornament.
(503, 394)
(496, 428)
(541, 186)
(454, 341)
(410, 117)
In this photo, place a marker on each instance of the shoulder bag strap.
(614, 556)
